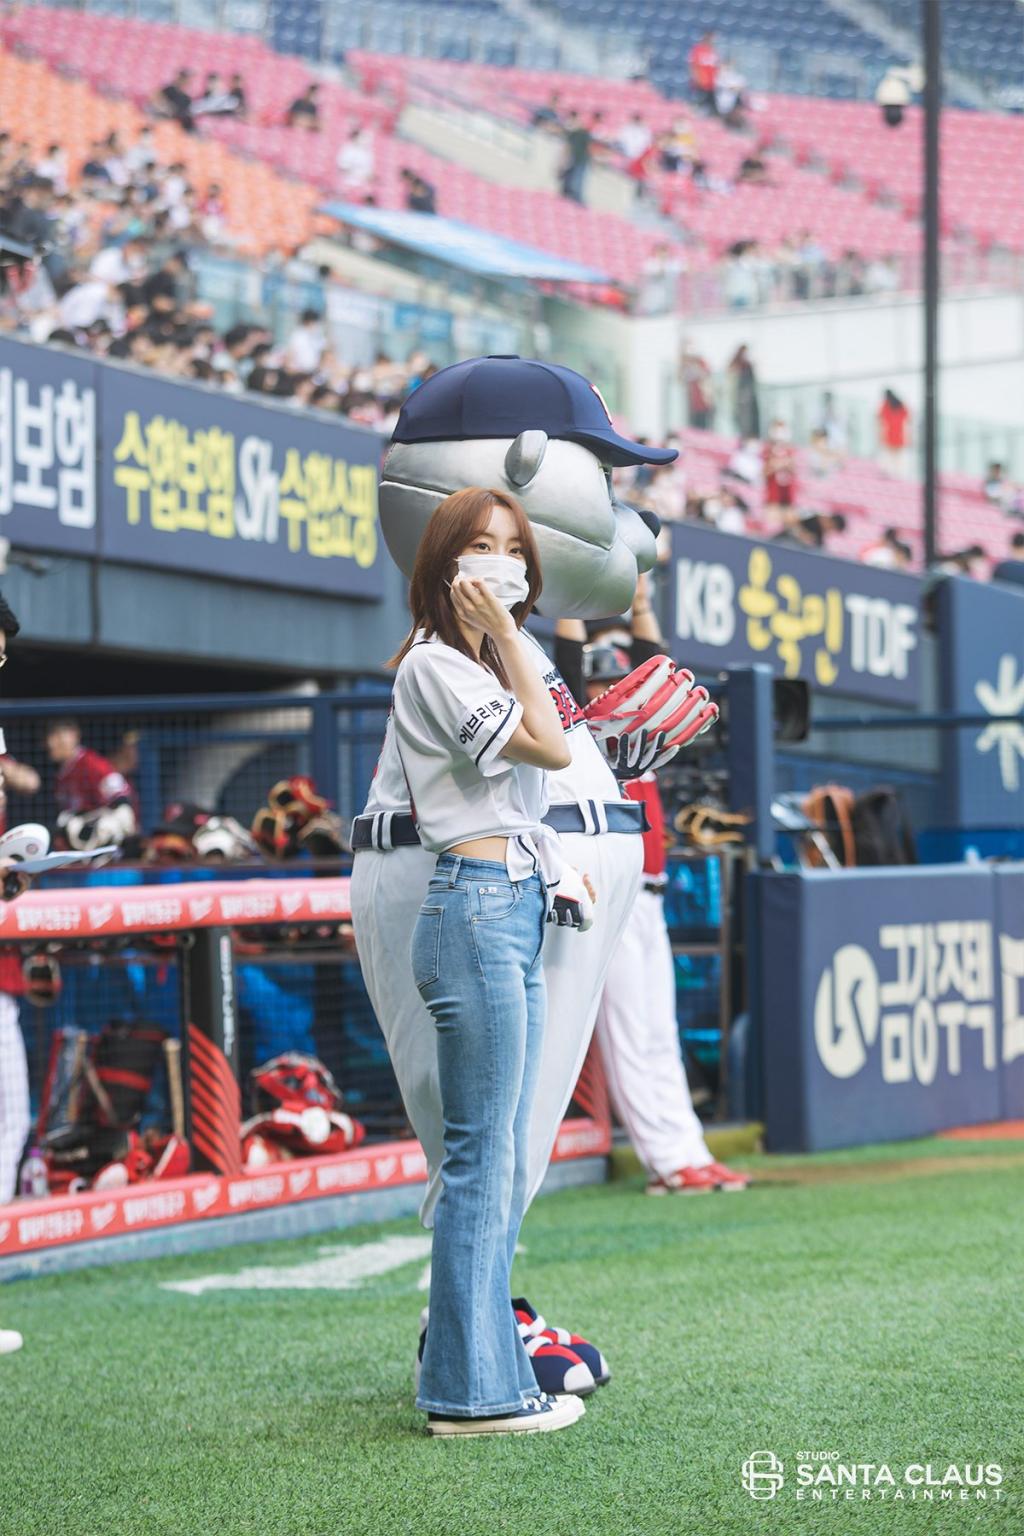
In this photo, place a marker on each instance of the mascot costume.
(540, 433)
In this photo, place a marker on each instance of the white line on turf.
(337, 1269)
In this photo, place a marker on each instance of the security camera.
(895, 91)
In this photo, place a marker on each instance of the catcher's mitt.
(642, 721)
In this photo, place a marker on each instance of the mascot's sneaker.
(685, 1181)
(728, 1178)
(536, 1416)
(10, 1341)
(533, 1326)
(559, 1369)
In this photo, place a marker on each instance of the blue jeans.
(476, 959)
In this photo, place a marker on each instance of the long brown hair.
(453, 525)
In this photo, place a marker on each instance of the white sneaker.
(536, 1416)
(10, 1341)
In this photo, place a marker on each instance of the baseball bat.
(172, 1055)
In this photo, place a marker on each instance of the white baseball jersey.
(450, 719)
(587, 777)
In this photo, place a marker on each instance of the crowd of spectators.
(798, 268)
(176, 100)
(766, 488)
(752, 273)
(115, 279)
(762, 472)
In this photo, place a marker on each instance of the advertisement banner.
(48, 425)
(58, 1220)
(1009, 883)
(881, 1004)
(981, 669)
(845, 628)
(195, 480)
(112, 909)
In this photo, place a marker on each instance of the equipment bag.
(881, 828)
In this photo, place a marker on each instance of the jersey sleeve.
(460, 704)
(104, 784)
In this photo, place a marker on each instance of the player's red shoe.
(685, 1181)
(728, 1178)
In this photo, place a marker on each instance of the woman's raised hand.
(475, 604)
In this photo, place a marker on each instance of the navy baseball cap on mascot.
(541, 433)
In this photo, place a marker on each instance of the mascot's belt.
(397, 829)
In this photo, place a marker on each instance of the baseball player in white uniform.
(540, 433)
(637, 1026)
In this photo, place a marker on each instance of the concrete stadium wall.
(855, 347)
(508, 153)
(141, 612)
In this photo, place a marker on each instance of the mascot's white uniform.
(591, 548)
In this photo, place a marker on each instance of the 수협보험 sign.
(101, 459)
(196, 480)
(47, 449)
(844, 628)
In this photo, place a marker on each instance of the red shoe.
(728, 1178)
(685, 1181)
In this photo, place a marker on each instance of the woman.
(476, 729)
(745, 408)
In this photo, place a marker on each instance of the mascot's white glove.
(571, 906)
(643, 720)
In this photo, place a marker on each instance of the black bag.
(881, 829)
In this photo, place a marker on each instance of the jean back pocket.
(426, 946)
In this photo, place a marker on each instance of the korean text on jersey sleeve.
(463, 705)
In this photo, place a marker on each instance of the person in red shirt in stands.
(779, 469)
(637, 1028)
(704, 72)
(893, 433)
(97, 803)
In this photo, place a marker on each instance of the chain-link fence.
(221, 753)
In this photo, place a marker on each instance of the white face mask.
(504, 575)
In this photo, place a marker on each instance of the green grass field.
(866, 1303)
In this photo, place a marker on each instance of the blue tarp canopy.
(461, 245)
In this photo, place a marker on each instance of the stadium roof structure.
(462, 245)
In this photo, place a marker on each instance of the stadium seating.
(790, 28)
(845, 158)
(982, 156)
(844, 183)
(264, 211)
(984, 38)
(136, 58)
(870, 498)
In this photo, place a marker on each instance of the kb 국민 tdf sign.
(843, 627)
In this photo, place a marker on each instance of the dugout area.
(225, 973)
